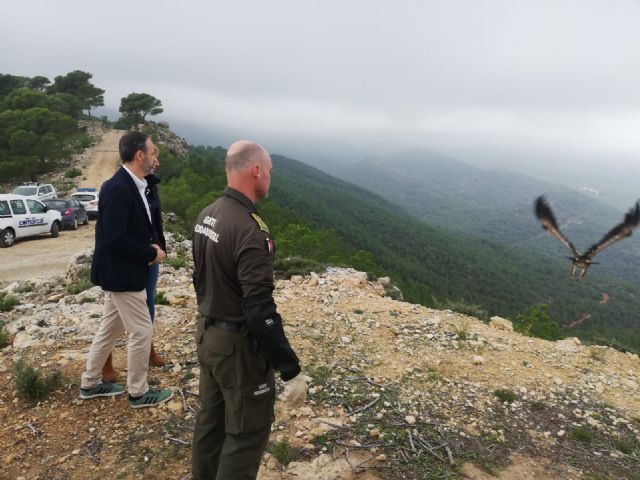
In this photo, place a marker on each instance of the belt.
(222, 325)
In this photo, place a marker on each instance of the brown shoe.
(108, 373)
(155, 360)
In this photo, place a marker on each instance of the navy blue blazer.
(123, 237)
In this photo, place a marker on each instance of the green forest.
(39, 121)
(318, 220)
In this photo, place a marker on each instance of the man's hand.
(295, 391)
(160, 254)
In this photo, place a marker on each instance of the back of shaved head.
(242, 154)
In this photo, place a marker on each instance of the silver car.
(88, 197)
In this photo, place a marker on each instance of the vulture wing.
(620, 231)
(545, 215)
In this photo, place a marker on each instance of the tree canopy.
(77, 83)
(39, 83)
(8, 83)
(136, 106)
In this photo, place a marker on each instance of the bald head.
(242, 154)
(248, 168)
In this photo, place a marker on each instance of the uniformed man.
(240, 337)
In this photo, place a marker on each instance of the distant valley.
(496, 205)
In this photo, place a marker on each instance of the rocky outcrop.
(397, 388)
(501, 323)
(175, 144)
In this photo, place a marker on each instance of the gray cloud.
(490, 81)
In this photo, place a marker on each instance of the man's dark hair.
(130, 143)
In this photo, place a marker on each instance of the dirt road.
(43, 257)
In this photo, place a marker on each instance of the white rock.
(500, 323)
(23, 340)
(410, 419)
(478, 360)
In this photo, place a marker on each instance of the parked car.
(73, 212)
(23, 217)
(89, 198)
(39, 191)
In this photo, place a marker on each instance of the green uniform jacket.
(233, 256)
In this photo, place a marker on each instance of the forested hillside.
(497, 206)
(39, 122)
(326, 220)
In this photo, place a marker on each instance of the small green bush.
(81, 141)
(24, 288)
(30, 385)
(161, 298)
(83, 283)
(72, 173)
(320, 441)
(393, 292)
(177, 262)
(537, 406)
(623, 447)
(505, 395)
(283, 452)
(7, 302)
(320, 375)
(287, 267)
(537, 323)
(4, 336)
(583, 434)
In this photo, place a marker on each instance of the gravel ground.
(43, 257)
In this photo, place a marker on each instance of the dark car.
(73, 212)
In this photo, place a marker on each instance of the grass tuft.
(505, 395)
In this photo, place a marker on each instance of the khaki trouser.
(237, 390)
(122, 311)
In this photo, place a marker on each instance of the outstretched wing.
(623, 230)
(545, 215)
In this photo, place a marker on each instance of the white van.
(23, 217)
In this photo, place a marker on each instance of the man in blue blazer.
(125, 248)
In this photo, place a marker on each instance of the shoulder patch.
(260, 222)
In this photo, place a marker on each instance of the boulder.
(500, 323)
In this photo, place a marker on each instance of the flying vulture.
(580, 263)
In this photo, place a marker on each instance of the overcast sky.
(518, 83)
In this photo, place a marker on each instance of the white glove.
(295, 390)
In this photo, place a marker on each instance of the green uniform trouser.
(237, 390)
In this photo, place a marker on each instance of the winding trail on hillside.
(43, 257)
